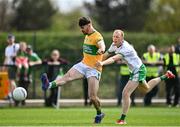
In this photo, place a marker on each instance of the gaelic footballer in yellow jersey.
(93, 48)
(90, 50)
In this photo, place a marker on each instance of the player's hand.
(100, 52)
(99, 64)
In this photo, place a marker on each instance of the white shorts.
(87, 71)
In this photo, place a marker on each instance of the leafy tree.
(124, 14)
(65, 22)
(164, 16)
(32, 14)
(6, 14)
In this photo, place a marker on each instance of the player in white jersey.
(128, 54)
(123, 50)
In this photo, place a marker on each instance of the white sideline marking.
(88, 126)
(137, 100)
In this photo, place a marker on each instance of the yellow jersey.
(90, 48)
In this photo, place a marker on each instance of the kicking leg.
(71, 75)
(146, 87)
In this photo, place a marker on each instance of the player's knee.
(92, 98)
(146, 90)
(66, 78)
(125, 94)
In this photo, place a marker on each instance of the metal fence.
(74, 90)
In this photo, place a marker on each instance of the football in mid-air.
(19, 94)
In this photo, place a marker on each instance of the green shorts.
(140, 75)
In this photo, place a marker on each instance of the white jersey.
(10, 52)
(129, 55)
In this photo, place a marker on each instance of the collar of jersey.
(91, 33)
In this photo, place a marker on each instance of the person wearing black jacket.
(54, 67)
(171, 61)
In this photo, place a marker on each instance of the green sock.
(52, 84)
(123, 117)
(98, 112)
(163, 77)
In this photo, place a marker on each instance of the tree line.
(131, 15)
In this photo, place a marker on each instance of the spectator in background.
(171, 60)
(53, 70)
(22, 62)
(177, 48)
(33, 58)
(10, 54)
(151, 59)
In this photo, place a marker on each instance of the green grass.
(139, 116)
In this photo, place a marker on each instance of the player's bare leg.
(147, 87)
(12, 86)
(93, 86)
(127, 91)
(71, 75)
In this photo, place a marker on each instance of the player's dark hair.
(84, 21)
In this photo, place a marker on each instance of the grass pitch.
(137, 116)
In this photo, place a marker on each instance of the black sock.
(98, 112)
(123, 117)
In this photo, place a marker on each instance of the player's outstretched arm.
(109, 60)
(106, 55)
(112, 59)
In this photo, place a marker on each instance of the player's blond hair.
(120, 32)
